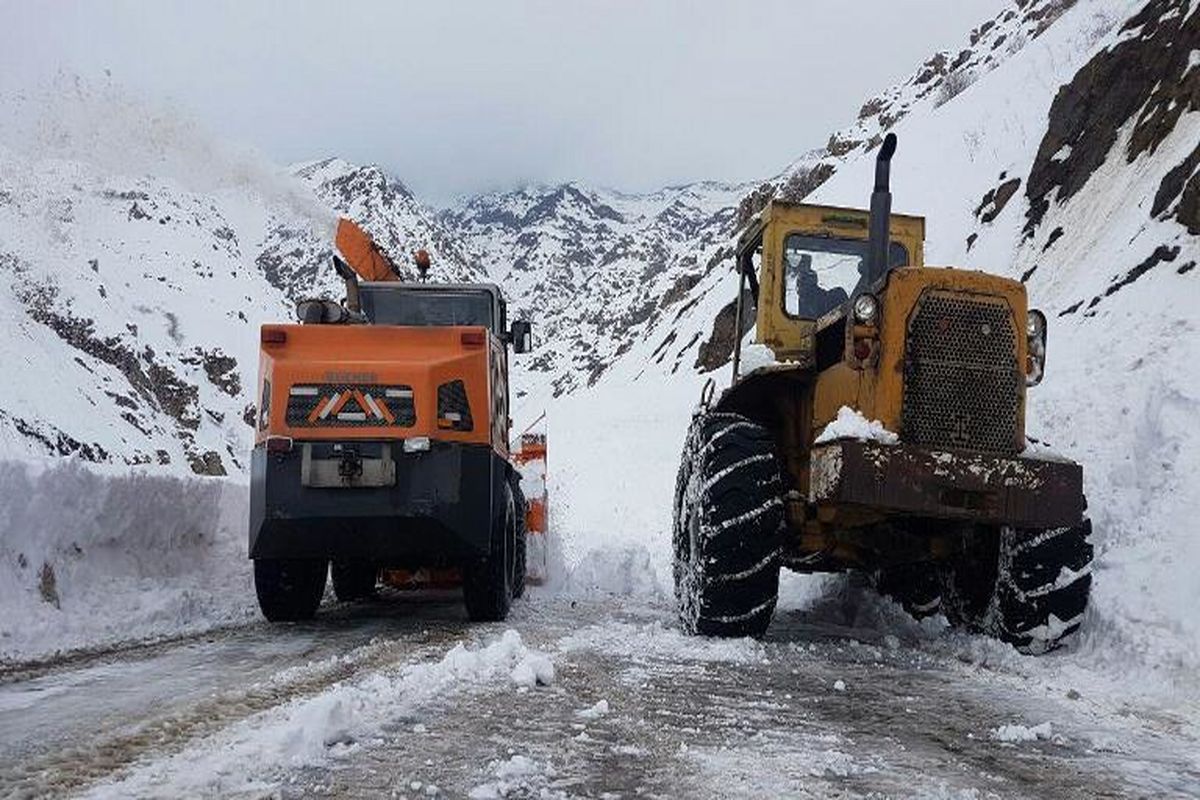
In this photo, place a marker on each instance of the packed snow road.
(576, 698)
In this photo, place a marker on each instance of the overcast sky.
(460, 97)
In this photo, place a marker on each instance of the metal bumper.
(402, 509)
(942, 484)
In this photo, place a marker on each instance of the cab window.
(386, 305)
(822, 272)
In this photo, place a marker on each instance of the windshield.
(423, 307)
(821, 273)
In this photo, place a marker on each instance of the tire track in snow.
(75, 767)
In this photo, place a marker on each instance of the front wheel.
(289, 589)
(729, 519)
(1029, 588)
(488, 581)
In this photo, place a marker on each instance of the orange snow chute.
(530, 460)
(362, 254)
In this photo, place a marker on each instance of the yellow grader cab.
(382, 443)
(880, 428)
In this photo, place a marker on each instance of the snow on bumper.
(1012, 490)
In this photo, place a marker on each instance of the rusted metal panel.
(946, 484)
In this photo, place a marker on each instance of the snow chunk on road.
(519, 776)
(1021, 733)
(509, 654)
(852, 425)
(839, 685)
(595, 712)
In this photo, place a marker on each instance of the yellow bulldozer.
(884, 432)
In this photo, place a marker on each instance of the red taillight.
(279, 444)
(274, 336)
(862, 349)
(474, 338)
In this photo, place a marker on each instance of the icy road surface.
(401, 698)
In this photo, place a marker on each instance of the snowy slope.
(132, 310)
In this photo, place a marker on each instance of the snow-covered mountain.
(595, 269)
(295, 259)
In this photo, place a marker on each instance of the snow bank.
(91, 558)
(850, 424)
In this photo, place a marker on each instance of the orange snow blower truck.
(382, 441)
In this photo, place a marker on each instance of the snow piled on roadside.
(251, 754)
(92, 558)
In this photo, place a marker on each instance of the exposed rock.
(803, 183)
(1144, 74)
(207, 463)
(1181, 183)
(1162, 254)
(996, 199)
(718, 349)
(679, 290)
(48, 585)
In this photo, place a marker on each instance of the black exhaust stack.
(881, 212)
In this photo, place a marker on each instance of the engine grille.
(345, 406)
(453, 410)
(962, 382)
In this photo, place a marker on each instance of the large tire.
(488, 582)
(521, 551)
(289, 590)
(353, 580)
(1028, 588)
(1043, 584)
(729, 518)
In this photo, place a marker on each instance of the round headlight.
(1036, 324)
(866, 308)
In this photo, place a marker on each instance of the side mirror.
(521, 336)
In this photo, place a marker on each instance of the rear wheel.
(728, 523)
(488, 582)
(353, 580)
(1031, 590)
(289, 589)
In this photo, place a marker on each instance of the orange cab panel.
(349, 382)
